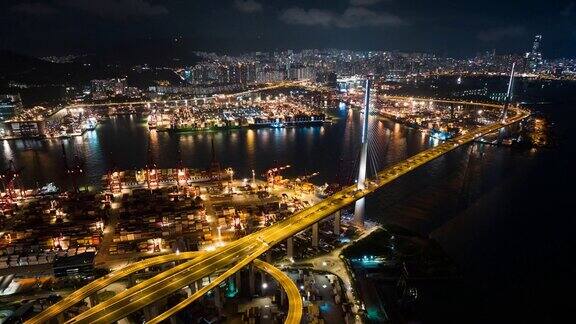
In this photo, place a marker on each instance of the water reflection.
(123, 142)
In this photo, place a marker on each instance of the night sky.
(455, 28)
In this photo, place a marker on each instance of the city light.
(118, 193)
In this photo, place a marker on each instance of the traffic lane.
(183, 304)
(146, 294)
(101, 283)
(294, 300)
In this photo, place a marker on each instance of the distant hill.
(46, 80)
(11, 62)
(155, 53)
(29, 70)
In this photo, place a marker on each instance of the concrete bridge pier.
(151, 311)
(231, 283)
(315, 238)
(131, 280)
(199, 284)
(92, 300)
(290, 247)
(252, 280)
(283, 297)
(174, 320)
(269, 256)
(192, 287)
(263, 280)
(238, 280)
(501, 135)
(359, 210)
(337, 220)
(95, 299)
(218, 302)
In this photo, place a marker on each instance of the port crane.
(307, 177)
(9, 178)
(273, 173)
(114, 178)
(151, 168)
(181, 172)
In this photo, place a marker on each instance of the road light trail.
(162, 283)
(294, 299)
(183, 304)
(103, 282)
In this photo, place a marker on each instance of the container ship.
(257, 122)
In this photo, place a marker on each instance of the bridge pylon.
(359, 207)
(509, 93)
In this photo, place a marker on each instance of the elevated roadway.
(294, 299)
(101, 283)
(241, 252)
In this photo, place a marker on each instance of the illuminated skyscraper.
(534, 57)
(536, 45)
